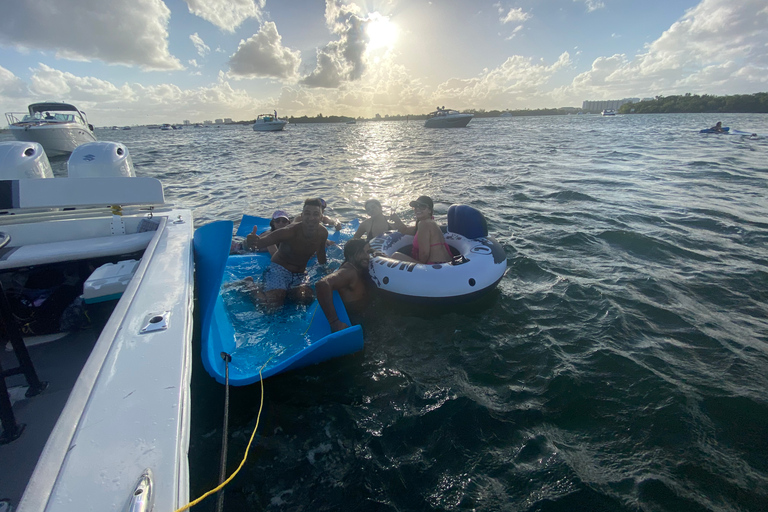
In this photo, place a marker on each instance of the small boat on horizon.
(269, 123)
(447, 118)
(58, 127)
(608, 112)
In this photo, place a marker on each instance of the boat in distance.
(447, 118)
(97, 410)
(608, 112)
(58, 127)
(269, 123)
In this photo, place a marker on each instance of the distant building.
(186, 122)
(207, 122)
(598, 106)
(227, 120)
(219, 121)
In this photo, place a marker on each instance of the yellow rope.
(225, 482)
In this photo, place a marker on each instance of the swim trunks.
(277, 277)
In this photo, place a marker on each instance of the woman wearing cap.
(376, 224)
(428, 241)
(280, 219)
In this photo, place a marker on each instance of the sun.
(382, 33)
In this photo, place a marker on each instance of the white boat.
(111, 429)
(608, 112)
(58, 127)
(166, 127)
(269, 123)
(447, 118)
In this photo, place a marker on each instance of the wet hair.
(353, 248)
(371, 202)
(314, 201)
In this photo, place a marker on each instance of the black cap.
(423, 200)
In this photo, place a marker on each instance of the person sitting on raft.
(349, 280)
(718, 127)
(326, 220)
(296, 244)
(428, 241)
(280, 219)
(376, 224)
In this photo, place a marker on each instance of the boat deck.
(58, 363)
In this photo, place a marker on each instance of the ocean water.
(621, 364)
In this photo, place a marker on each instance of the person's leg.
(277, 281)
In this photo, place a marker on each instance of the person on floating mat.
(280, 219)
(350, 280)
(718, 127)
(296, 243)
(428, 241)
(376, 224)
(326, 220)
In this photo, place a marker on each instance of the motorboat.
(166, 127)
(269, 123)
(58, 127)
(96, 413)
(447, 118)
(608, 112)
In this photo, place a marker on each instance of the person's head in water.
(356, 253)
(280, 219)
(372, 207)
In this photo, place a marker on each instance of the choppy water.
(622, 364)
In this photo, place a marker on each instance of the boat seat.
(467, 221)
(54, 252)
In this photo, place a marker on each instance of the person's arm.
(363, 228)
(332, 222)
(254, 241)
(321, 257)
(324, 292)
(425, 242)
(401, 226)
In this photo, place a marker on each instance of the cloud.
(717, 47)
(263, 55)
(130, 32)
(226, 14)
(517, 80)
(342, 60)
(202, 48)
(47, 82)
(514, 16)
(592, 5)
(11, 86)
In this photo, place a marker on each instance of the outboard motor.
(100, 160)
(23, 160)
(467, 221)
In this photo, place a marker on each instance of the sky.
(128, 62)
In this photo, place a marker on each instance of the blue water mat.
(295, 337)
(710, 130)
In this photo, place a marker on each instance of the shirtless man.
(348, 280)
(297, 243)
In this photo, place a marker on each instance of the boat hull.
(454, 121)
(56, 139)
(273, 126)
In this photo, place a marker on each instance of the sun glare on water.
(382, 33)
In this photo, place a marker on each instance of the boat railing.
(16, 117)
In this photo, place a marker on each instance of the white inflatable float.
(479, 263)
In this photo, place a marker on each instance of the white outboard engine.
(100, 160)
(23, 160)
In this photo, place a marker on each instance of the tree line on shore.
(693, 104)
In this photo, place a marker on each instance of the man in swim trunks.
(349, 280)
(297, 243)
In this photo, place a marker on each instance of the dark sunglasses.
(420, 206)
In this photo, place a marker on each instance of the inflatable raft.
(291, 339)
(479, 263)
(710, 130)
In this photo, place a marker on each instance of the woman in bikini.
(374, 226)
(428, 242)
